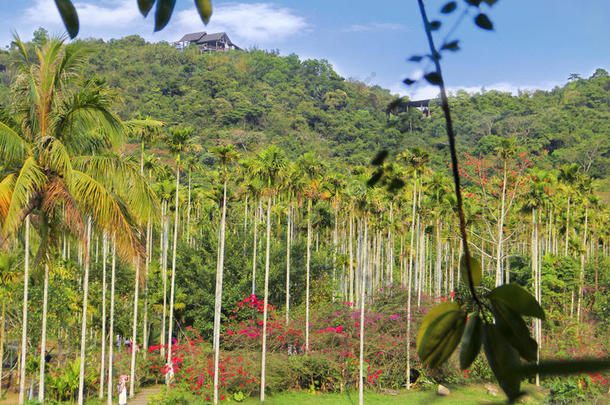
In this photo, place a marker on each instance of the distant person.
(122, 389)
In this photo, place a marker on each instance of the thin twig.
(454, 159)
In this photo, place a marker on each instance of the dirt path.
(142, 396)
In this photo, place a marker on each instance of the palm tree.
(268, 167)
(111, 326)
(253, 187)
(145, 130)
(568, 178)
(293, 187)
(533, 202)
(505, 151)
(226, 155)
(311, 168)
(51, 123)
(335, 185)
(178, 141)
(103, 338)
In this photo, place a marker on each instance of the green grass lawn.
(460, 395)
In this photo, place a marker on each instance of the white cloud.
(108, 14)
(376, 26)
(255, 22)
(422, 90)
(246, 23)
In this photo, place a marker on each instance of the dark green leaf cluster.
(163, 12)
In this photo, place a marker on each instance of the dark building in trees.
(218, 41)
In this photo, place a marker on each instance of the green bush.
(574, 389)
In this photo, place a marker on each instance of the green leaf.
(451, 46)
(440, 333)
(163, 13)
(502, 358)
(434, 78)
(562, 367)
(68, 16)
(415, 58)
(483, 21)
(204, 7)
(475, 3)
(518, 299)
(449, 7)
(408, 81)
(512, 326)
(434, 25)
(471, 342)
(476, 271)
(380, 157)
(489, 2)
(145, 6)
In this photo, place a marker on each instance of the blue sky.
(535, 45)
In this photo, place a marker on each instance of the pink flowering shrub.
(332, 361)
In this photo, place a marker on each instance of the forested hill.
(253, 98)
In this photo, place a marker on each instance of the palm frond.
(123, 176)
(97, 201)
(85, 114)
(54, 156)
(143, 128)
(29, 183)
(13, 148)
(6, 191)
(59, 206)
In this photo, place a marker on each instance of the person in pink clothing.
(122, 389)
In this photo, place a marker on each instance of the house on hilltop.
(218, 41)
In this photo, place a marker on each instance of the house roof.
(193, 37)
(205, 38)
(217, 36)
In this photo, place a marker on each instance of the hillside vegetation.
(231, 215)
(255, 98)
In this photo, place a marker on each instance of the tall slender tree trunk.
(437, 261)
(409, 292)
(581, 282)
(188, 212)
(24, 318)
(173, 283)
(256, 214)
(308, 264)
(362, 300)
(164, 253)
(351, 257)
(218, 297)
(500, 235)
(390, 246)
(134, 329)
(149, 249)
(43, 334)
(103, 341)
(111, 326)
(2, 337)
(335, 248)
(83, 331)
(534, 254)
(265, 302)
(288, 240)
(565, 253)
